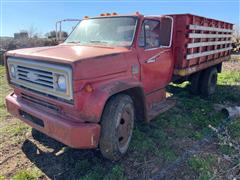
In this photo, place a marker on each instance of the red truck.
(111, 71)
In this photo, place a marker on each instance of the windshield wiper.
(97, 41)
(74, 42)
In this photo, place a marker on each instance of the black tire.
(209, 81)
(116, 127)
(195, 83)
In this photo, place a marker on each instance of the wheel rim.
(213, 82)
(125, 128)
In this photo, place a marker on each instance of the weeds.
(31, 174)
(203, 166)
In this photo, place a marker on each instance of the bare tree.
(32, 32)
(236, 40)
(236, 33)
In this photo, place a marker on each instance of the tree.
(236, 33)
(236, 39)
(32, 32)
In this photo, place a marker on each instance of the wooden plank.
(201, 44)
(198, 35)
(205, 28)
(196, 55)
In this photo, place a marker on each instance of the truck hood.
(66, 53)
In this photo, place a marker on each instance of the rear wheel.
(117, 126)
(195, 83)
(209, 81)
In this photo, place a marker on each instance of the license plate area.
(31, 118)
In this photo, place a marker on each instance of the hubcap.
(124, 128)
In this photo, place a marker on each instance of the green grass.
(203, 166)
(234, 129)
(226, 149)
(1, 177)
(99, 172)
(4, 90)
(116, 173)
(16, 129)
(31, 174)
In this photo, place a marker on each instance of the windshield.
(117, 31)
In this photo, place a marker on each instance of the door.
(155, 55)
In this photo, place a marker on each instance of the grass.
(30, 174)
(203, 166)
(4, 90)
(226, 149)
(161, 141)
(234, 129)
(16, 129)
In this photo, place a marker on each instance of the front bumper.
(76, 135)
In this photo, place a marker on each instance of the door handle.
(151, 60)
(154, 58)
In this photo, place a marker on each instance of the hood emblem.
(32, 76)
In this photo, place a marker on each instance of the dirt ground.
(26, 154)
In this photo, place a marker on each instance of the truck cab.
(89, 91)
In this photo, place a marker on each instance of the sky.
(41, 15)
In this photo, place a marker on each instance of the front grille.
(36, 76)
(39, 102)
(41, 77)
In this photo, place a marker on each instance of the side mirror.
(166, 30)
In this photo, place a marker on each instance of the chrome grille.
(41, 77)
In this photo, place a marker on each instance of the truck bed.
(199, 42)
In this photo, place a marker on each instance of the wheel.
(195, 83)
(116, 127)
(209, 81)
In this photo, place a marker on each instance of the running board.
(160, 108)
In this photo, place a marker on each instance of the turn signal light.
(88, 88)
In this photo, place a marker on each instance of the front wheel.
(117, 126)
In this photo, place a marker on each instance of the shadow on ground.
(59, 162)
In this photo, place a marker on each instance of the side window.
(150, 34)
(166, 31)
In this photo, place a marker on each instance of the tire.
(116, 127)
(209, 81)
(195, 83)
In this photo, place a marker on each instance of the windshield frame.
(101, 17)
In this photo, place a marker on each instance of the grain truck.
(111, 72)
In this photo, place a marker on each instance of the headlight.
(13, 71)
(61, 82)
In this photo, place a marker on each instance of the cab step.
(161, 107)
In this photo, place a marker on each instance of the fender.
(95, 103)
